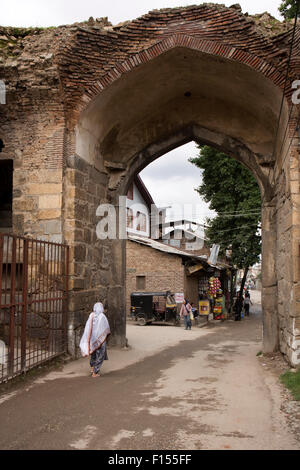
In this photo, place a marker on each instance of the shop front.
(214, 286)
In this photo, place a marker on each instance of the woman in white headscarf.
(93, 341)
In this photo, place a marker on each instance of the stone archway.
(113, 135)
(179, 84)
(89, 104)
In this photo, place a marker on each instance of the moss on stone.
(269, 25)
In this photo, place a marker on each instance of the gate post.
(24, 305)
(66, 300)
(12, 307)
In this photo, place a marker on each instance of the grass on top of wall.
(292, 381)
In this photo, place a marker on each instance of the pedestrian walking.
(185, 313)
(93, 341)
(247, 303)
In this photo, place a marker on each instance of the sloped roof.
(174, 251)
(144, 191)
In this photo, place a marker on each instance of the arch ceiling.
(131, 85)
(180, 88)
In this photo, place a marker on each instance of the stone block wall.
(289, 305)
(32, 130)
(93, 275)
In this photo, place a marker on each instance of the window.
(140, 282)
(141, 222)
(6, 190)
(129, 218)
(130, 192)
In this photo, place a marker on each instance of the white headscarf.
(95, 332)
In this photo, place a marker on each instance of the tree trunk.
(243, 282)
(233, 286)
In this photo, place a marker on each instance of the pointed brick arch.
(109, 137)
(94, 55)
(184, 41)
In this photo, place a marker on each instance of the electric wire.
(225, 230)
(254, 211)
(226, 213)
(238, 228)
(195, 214)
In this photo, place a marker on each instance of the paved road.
(203, 389)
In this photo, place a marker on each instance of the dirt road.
(199, 389)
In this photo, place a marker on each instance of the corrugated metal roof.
(173, 251)
(162, 247)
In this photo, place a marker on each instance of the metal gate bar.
(33, 303)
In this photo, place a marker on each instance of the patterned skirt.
(97, 357)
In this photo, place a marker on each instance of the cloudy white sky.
(171, 179)
(58, 12)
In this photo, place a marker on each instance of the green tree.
(233, 193)
(288, 9)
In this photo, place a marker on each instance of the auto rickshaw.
(149, 307)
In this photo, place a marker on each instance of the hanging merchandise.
(214, 286)
(218, 307)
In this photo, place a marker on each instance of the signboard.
(195, 268)
(204, 307)
(179, 298)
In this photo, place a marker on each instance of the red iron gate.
(33, 303)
